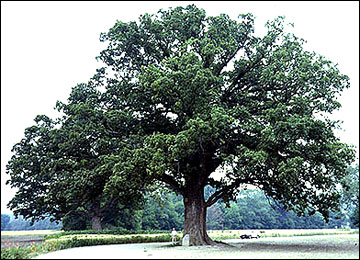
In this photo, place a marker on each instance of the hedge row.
(58, 244)
(104, 232)
(16, 253)
(84, 241)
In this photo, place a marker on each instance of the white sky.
(49, 47)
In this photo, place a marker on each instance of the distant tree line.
(252, 210)
(8, 222)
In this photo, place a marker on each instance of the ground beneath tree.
(305, 247)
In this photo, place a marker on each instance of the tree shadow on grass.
(216, 244)
(293, 247)
(171, 245)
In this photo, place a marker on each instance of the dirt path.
(307, 247)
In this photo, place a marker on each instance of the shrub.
(74, 241)
(15, 253)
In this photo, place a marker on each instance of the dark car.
(250, 235)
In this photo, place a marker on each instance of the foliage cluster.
(350, 196)
(16, 253)
(252, 210)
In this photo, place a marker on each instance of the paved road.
(307, 247)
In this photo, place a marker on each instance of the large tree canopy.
(189, 95)
(209, 95)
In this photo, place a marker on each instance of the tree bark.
(96, 215)
(96, 223)
(195, 217)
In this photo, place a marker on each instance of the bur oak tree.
(211, 96)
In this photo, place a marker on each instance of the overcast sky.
(49, 47)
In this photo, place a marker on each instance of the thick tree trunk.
(96, 215)
(96, 223)
(195, 218)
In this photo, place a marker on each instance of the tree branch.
(78, 212)
(218, 71)
(219, 193)
(172, 182)
(109, 204)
